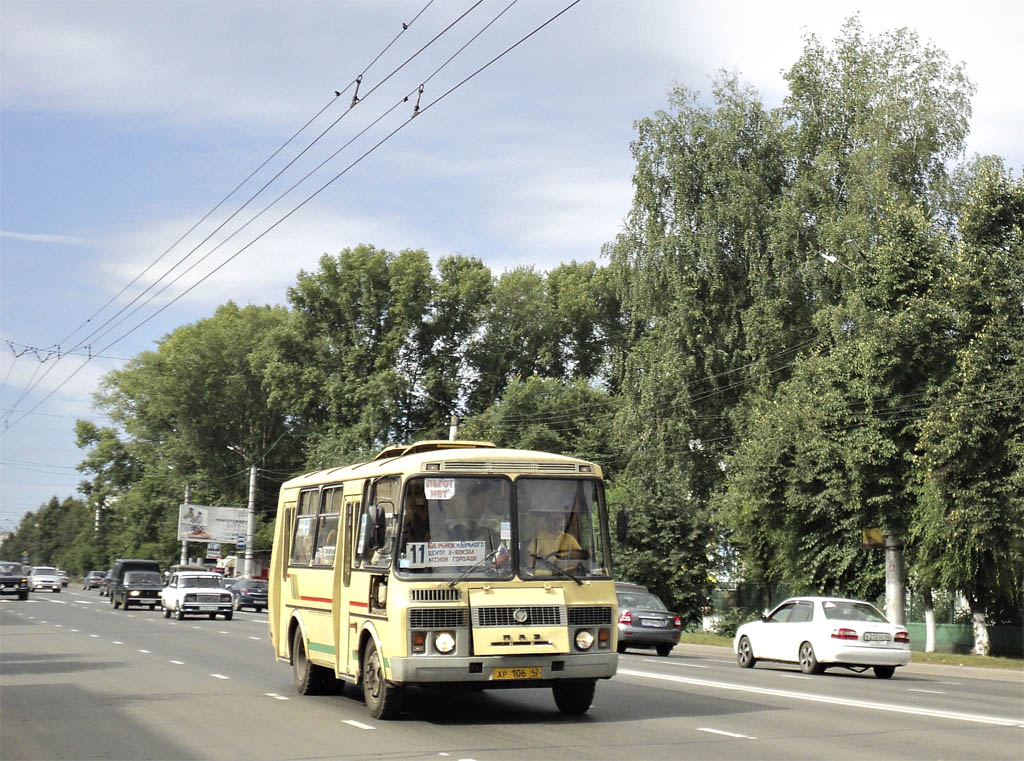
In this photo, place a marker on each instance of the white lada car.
(195, 593)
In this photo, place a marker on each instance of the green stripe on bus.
(321, 648)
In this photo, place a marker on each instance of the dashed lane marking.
(356, 724)
(726, 734)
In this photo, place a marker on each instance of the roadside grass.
(951, 659)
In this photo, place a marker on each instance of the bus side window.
(305, 526)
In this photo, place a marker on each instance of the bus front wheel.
(574, 698)
(383, 700)
(310, 679)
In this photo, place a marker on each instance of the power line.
(417, 112)
(33, 383)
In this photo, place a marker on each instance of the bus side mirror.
(621, 526)
(367, 533)
(379, 516)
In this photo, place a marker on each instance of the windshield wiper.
(489, 556)
(552, 566)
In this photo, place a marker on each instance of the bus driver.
(552, 543)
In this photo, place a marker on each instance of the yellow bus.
(451, 563)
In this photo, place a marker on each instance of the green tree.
(969, 460)
(183, 413)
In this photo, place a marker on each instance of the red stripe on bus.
(355, 604)
(315, 599)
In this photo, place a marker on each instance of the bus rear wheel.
(383, 700)
(574, 698)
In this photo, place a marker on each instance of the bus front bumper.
(502, 671)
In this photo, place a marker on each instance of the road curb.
(937, 669)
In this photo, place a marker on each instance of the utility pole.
(453, 428)
(249, 521)
(184, 543)
(895, 581)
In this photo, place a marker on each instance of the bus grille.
(437, 618)
(590, 615)
(536, 615)
(435, 595)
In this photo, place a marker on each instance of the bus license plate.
(527, 672)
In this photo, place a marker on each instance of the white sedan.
(822, 632)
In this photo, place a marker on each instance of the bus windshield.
(489, 527)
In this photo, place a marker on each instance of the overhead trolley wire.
(301, 153)
(417, 112)
(306, 176)
(338, 93)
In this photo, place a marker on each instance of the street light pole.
(249, 521)
(184, 542)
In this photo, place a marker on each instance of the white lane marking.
(275, 696)
(144, 651)
(74, 630)
(58, 602)
(116, 642)
(222, 632)
(84, 602)
(930, 692)
(219, 676)
(794, 676)
(674, 663)
(978, 719)
(723, 732)
(955, 684)
(59, 626)
(356, 724)
(178, 663)
(95, 636)
(197, 627)
(255, 638)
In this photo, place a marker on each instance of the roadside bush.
(728, 621)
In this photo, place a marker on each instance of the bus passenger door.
(346, 663)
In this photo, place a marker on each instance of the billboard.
(205, 523)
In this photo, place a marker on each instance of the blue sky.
(122, 123)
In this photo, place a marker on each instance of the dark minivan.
(117, 591)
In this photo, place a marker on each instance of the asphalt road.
(79, 680)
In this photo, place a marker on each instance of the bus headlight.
(444, 642)
(584, 639)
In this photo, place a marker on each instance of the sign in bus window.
(436, 554)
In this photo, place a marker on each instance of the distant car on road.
(249, 593)
(139, 588)
(105, 584)
(44, 577)
(824, 632)
(64, 578)
(116, 589)
(13, 580)
(645, 621)
(195, 593)
(93, 579)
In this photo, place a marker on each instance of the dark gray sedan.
(249, 593)
(644, 621)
